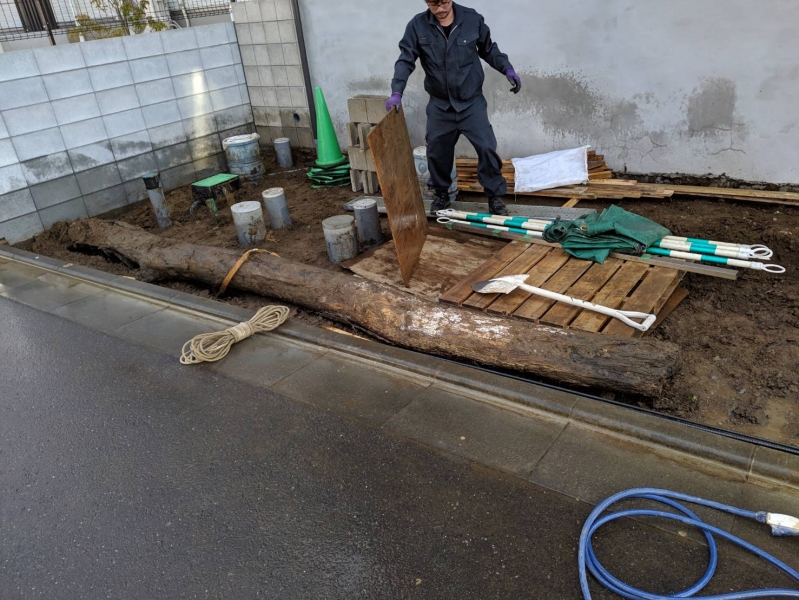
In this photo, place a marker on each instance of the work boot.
(497, 207)
(440, 202)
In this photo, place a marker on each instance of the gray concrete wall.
(81, 123)
(270, 52)
(687, 86)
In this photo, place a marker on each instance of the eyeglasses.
(438, 3)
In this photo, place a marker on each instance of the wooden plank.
(572, 203)
(616, 182)
(539, 275)
(652, 289)
(588, 192)
(447, 257)
(669, 307)
(668, 293)
(611, 295)
(584, 289)
(787, 198)
(662, 302)
(393, 155)
(522, 264)
(463, 289)
(536, 306)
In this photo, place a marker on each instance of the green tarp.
(595, 236)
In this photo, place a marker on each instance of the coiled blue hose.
(589, 562)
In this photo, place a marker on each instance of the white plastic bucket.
(244, 155)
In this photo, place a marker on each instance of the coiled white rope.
(212, 347)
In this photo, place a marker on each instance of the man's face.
(442, 9)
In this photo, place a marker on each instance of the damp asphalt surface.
(124, 475)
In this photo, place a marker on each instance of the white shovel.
(505, 285)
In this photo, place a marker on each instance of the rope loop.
(213, 347)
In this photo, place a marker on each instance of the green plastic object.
(329, 152)
(215, 180)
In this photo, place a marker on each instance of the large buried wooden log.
(620, 364)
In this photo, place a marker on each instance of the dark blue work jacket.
(454, 74)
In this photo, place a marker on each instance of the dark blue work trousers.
(444, 128)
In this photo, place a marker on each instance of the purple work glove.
(514, 79)
(394, 102)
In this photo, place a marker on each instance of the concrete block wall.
(81, 123)
(270, 53)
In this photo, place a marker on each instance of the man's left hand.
(514, 79)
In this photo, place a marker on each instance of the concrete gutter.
(660, 436)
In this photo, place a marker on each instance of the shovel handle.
(625, 316)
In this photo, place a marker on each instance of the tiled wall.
(81, 123)
(270, 54)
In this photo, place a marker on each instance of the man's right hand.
(394, 102)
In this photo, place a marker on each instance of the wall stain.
(711, 108)
(569, 109)
(376, 84)
(773, 88)
(563, 102)
(133, 148)
(83, 161)
(623, 116)
(48, 167)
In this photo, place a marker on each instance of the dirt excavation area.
(739, 339)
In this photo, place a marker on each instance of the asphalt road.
(125, 475)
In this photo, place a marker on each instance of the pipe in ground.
(156, 193)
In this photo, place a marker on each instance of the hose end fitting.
(782, 525)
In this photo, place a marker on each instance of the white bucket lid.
(282, 140)
(420, 152)
(246, 207)
(237, 140)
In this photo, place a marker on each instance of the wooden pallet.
(616, 283)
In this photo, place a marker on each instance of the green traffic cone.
(328, 152)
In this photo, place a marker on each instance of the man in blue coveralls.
(450, 40)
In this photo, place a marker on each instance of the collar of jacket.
(431, 18)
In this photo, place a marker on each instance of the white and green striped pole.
(693, 249)
(716, 260)
(756, 251)
(450, 222)
(671, 242)
(726, 250)
(516, 222)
